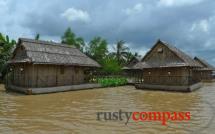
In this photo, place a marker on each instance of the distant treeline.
(97, 49)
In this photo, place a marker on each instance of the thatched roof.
(130, 64)
(186, 60)
(204, 64)
(141, 65)
(44, 52)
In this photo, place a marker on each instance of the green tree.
(110, 65)
(97, 49)
(37, 37)
(6, 46)
(121, 51)
(79, 43)
(70, 38)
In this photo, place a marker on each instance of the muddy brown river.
(75, 112)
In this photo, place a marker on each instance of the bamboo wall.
(204, 75)
(168, 76)
(46, 75)
(133, 76)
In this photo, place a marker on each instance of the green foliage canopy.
(70, 38)
(110, 65)
(6, 46)
(97, 49)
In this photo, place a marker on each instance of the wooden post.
(7, 77)
(13, 76)
(24, 83)
(28, 79)
(33, 75)
(56, 75)
(189, 77)
(37, 77)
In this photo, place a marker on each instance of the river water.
(75, 112)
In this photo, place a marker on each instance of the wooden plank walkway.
(187, 88)
(45, 90)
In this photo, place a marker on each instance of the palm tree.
(121, 51)
(129, 57)
(37, 37)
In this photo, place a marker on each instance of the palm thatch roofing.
(44, 52)
(132, 62)
(186, 60)
(204, 64)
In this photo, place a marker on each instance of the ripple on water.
(76, 111)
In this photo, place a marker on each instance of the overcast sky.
(186, 24)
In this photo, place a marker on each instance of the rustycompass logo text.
(126, 117)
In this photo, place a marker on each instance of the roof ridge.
(179, 50)
(59, 53)
(204, 63)
(184, 57)
(44, 42)
(172, 46)
(52, 53)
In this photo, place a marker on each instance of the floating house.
(132, 62)
(205, 73)
(43, 67)
(165, 67)
(133, 75)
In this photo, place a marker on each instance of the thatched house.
(205, 73)
(41, 64)
(133, 75)
(132, 62)
(167, 68)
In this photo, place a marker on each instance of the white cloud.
(3, 2)
(177, 2)
(141, 50)
(72, 14)
(136, 9)
(204, 25)
(200, 26)
(3, 6)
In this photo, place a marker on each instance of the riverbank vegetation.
(6, 48)
(112, 81)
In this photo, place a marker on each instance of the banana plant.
(6, 46)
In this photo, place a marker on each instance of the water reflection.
(76, 111)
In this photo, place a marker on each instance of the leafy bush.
(110, 65)
(109, 82)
